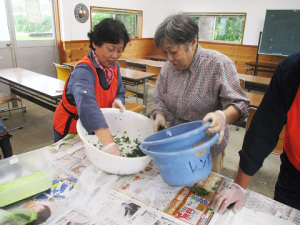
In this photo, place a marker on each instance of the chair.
(134, 107)
(7, 98)
(122, 63)
(279, 147)
(129, 94)
(156, 71)
(63, 72)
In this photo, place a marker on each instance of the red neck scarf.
(109, 73)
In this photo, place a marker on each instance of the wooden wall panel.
(147, 47)
(141, 48)
(133, 49)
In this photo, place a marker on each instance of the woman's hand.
(117, 103)
(112, 149)
(234, 194)
(218, 123)
(159, 123)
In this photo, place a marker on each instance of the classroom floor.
(38, 133)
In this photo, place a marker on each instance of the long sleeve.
(271, 115)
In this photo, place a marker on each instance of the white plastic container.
(135, 125)
(25, 175)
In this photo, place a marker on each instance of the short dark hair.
(108, 31)
(178, 29)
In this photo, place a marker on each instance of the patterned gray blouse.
(209, 84)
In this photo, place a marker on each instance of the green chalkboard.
(281, 33)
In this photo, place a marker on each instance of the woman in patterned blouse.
(196, 84)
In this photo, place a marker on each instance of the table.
(131, 63)
(38, 88)
(255, 98)
(155, 202)
(131, 77)
(257, 66)
(135, 77)
(137, 63)
(157, 57)
(255, 82)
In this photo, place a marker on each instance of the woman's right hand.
(159, 123)
(112, 149)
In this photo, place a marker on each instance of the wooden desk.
(157, 57)
(135, 77)
(131, 62)
(140, 64)
(263, 67)
(255, 82)
(131, 77)
(255, 98)
(43, 90)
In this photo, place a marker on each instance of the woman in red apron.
(94, 83)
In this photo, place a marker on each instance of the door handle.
(9, 44)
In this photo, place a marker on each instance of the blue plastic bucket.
(186, 165)
(176, 138)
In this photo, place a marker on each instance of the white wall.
(154, 11)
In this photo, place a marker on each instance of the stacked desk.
(254, 82)
(262, 67)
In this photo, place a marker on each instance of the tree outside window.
(220, 27)
(130, 18)
(33, 19)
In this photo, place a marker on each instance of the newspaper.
(83, 194)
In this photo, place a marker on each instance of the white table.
(155, 202)
(38, 88)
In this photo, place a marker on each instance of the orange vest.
(66, 115)
(292, 133)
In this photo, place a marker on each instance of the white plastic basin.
(135, 125)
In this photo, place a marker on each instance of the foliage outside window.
(225, 27)
(130, 18)
(33, 19)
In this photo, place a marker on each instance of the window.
(224, 27)
(4, 34)
(132, 19)
(33, 19)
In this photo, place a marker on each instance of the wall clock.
(81, 13)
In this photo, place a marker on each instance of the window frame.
(137, 13)
(195, 14)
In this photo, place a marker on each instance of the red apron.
(66, 114)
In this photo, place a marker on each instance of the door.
(29, 39)
(6, 52)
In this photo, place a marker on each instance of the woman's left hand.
(218, 123)
(117, 103)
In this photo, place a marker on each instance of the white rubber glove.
(160, 122)
(117, 103)
(218, 123)
(233, 194)
(112, 149)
